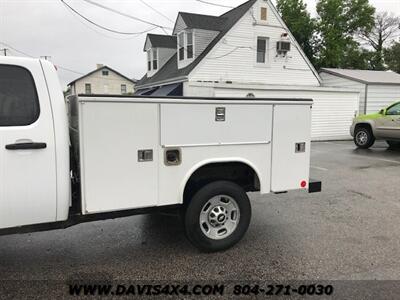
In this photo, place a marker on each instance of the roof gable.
(365, 76)
(101, 69)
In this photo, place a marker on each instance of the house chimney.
(99, 66)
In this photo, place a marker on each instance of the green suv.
(384, 125)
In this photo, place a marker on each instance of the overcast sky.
(47, 27)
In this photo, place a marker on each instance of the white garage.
(333, 110)
(378, 89)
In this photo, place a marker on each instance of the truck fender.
(213, 161)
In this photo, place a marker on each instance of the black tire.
(193, 229)
(393, 144)
(364, 138)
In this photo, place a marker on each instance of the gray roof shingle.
(366, 76)
(170, 69)
(203, 21)
(162, 41)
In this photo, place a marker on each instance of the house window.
(105, 72)
(148, 60)
(181, 45)
(88, 88)
(262, 44)
(123, 88)
(189, 41)
(155, 59)
(263, 14)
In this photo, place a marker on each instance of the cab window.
(19, 103)
(394, 110)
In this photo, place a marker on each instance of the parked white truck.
(131, 155)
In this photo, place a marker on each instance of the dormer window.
(189, 41)
(155, 59)
(186, 45)
(181, 45)
(152, 59)
(148, 60)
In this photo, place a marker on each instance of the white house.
(103, 80)
(378, 89)
(246, 52)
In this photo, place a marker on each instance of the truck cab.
(34, 144)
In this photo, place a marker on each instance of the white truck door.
(27, 152)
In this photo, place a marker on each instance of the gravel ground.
(350, 231)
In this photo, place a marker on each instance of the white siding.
(336, 81)
(100, 84)
(378, 96)
(202, 38)
(234, 57)
(332, 114)
(381, 96)
(179, 26)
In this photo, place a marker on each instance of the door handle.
(26, 146)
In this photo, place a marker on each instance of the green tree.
(300, 23)
(392, 57)
(338, 23)
(386, 27)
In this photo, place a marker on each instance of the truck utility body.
(131, 154)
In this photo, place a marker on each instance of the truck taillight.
(303, 184)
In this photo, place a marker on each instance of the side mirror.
(382, 112)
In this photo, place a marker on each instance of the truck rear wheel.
(363, 138)
(218, 216)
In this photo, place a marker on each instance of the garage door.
(332, 114)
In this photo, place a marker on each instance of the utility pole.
(4, 51)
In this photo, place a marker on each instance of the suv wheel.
(218, 216)
(363, 138)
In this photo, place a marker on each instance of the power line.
(214, 4)
(99, 31)
(158, 12)
(127, 16)
(103, 27)
(16, 50)
(58, 66)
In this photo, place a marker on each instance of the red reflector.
(303, 184)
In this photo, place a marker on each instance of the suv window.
(394, 110)
(19, 103)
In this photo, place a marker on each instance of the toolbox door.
(291, 144)
(119, 155)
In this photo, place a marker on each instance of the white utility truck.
(133, 155)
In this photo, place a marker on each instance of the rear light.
(303, 184)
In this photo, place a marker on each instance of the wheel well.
(364, 125)
(237, 172)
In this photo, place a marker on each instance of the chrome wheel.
(362, 138)
(219, 217)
